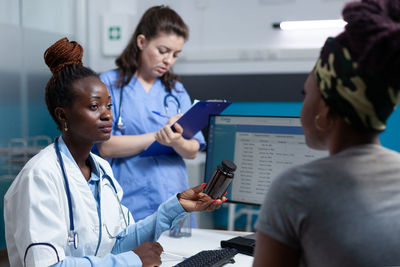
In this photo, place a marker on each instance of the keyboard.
(210, 258)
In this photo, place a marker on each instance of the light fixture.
(309, 24)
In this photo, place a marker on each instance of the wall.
(30, 27)
(27, 29)
(226, 36)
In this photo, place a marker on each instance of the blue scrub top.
(147, 181)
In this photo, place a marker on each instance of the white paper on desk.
(167, 257)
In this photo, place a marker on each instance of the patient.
(343, 210)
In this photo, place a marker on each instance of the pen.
(174, 255)
(159, 114)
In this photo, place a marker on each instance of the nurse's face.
(313, 105)
(89, 119)
(159, 54)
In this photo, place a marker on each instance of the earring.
(65, 126)
(318, 126)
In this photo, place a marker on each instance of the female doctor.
(63, 209)
(147, 97)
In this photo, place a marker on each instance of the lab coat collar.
(94, 164)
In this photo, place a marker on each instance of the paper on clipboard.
(194, 120)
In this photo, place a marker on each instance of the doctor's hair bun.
(373, 36)
(64, 59)
(63, 53)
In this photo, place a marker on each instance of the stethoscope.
(72, 234)
(120, 123)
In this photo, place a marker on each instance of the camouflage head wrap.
(364, 101)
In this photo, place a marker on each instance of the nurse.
(147, 98)
(63, 209)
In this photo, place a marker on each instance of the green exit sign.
(114, 32)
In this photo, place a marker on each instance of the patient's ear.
(324, 110)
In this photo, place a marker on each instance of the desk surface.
(201, 239)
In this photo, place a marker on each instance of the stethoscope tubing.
(176, 100)
(72, 232)
(120, 123)
(67, 189)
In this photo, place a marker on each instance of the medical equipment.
(120, 123)
(178, 104)
(72, 234)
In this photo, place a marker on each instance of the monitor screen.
(261, 147)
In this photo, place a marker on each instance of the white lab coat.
(37, 216)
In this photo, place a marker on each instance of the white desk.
(201, 239)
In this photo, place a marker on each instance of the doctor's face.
(90, 118)
(159, 54)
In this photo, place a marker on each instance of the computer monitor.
(261, 147)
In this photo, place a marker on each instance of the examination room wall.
(226, 36)
(27, 28)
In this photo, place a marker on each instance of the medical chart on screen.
(261, 157)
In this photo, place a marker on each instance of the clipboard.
(194, 120)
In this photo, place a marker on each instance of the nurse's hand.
(194, 199)
(166, 136)
(149, 253)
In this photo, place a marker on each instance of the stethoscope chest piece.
(73, 238)
(76, 240)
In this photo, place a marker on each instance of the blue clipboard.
(194, 120)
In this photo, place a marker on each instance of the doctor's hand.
(194, 199)
(149, 253)
(166, 136)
